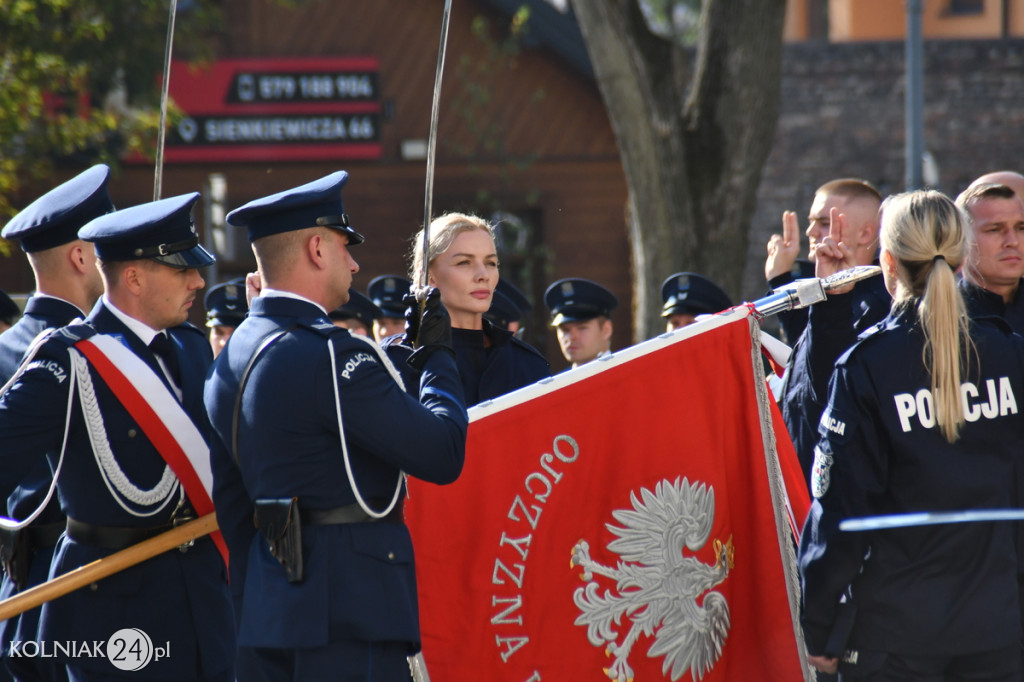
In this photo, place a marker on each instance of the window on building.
(962, 7)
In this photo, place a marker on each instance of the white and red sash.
(160, 416)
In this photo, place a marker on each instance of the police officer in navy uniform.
(388, 293)
(67, 286)
(315, 432)
(991, 275)
(226, 307)
(581, 315)
(685, 295)
(833, 325)
(920, 418)
(9, 312)
(357, 314)
(114, 483)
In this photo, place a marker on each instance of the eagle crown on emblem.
(657, 584)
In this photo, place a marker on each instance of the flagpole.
(101, 568)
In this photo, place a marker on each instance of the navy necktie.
(164, 348)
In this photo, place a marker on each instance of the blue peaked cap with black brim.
(55, 218)
(689, 293)
(359, 307)
(388, 293)
(225, 304)
(160, 230)
(315, 204)
(575, 299)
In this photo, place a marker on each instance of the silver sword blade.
(428, 191)
(850, 276)
(912, 519)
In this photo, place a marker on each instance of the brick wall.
(843, 115)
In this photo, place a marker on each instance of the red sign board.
(276, 110)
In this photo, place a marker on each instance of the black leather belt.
(350, 513)
(44, 534)
(111, 537)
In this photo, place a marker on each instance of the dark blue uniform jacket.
(41, 313)
(487, 371)
(984, 303)
(177, 597)
(360, 581)
(928, 590)
(833, 326)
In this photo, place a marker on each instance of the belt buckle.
(181, 520)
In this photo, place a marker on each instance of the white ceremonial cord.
(344, 447)
(117, 482)
(11, 524)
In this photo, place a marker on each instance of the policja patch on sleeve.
(832, 428)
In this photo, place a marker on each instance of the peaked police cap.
(160, 230)
(55, 218)
(316, 203)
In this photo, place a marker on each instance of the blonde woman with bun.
(462, 263)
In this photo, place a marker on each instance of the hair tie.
(938, 258)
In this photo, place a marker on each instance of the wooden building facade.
(523, 139)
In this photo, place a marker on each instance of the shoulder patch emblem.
(59, 372)
(354, 362)
(821, 473)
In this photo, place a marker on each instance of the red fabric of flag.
(618, 525)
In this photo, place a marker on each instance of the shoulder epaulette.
(73, 333)
(864, 338)
(320, 325)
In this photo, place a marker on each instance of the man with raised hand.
(847, 235)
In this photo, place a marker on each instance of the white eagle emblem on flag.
(658, 587)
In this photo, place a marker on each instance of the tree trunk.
(694, 128)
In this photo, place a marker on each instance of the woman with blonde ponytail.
(923, 416)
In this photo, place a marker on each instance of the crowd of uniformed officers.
(298, 417)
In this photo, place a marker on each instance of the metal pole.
(158, 175)
(914, 96)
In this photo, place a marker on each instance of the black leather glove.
(428, 327)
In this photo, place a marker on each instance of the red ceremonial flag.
(625, 519)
